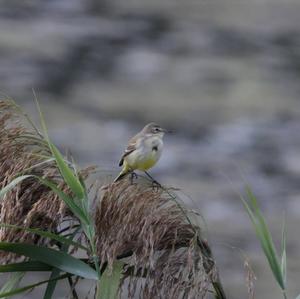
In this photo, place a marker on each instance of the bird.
(143, 150)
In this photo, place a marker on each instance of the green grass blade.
(109, 282)
(36, 139)
(283, 253)
(68, 175)
(272, 255)
(30, 287)
(57, 259)
(12, 283)
(263, 241)
(264, 236)
(77, 211)
(52, 236)
(22, 112)
(25, 267)
(51, 284)
(47, 161)
(266, 239)
(12, 184)
(55, 272)
(66, 172)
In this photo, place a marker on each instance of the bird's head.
(154, 129)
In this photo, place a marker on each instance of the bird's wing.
(132, 145)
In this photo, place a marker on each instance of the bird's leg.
(155, 183)
(133, 176)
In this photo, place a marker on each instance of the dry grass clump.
(148, 225)
(166, 256)
(30, 203)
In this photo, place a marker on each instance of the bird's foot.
(133, 176)
(156, 185)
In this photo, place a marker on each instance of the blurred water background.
(222, 74)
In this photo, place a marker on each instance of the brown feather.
(130, 148)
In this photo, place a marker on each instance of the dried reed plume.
(165, 248)
(30, 203)
(166, 255)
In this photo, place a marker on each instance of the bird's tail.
(121, 175)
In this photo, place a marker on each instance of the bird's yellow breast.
(146, 163)
(140, 162)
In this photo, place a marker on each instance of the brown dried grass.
(30, 204)
(148, 225)
(166, 256)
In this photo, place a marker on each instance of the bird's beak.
(166, 131)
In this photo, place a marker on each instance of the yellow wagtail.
(143, 150)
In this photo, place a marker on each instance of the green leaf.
(46, 234)
(47, 161)
(25, 267)
(109, 282)
(68, 175)
(12, 184)
(283, 253)
(14, 281)
(35, 139)
(54, 258)
(264, 236)
(30, 287)
(51, 284)
(266, 240)
(22, 112)
(77, 211)
(55, 272)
